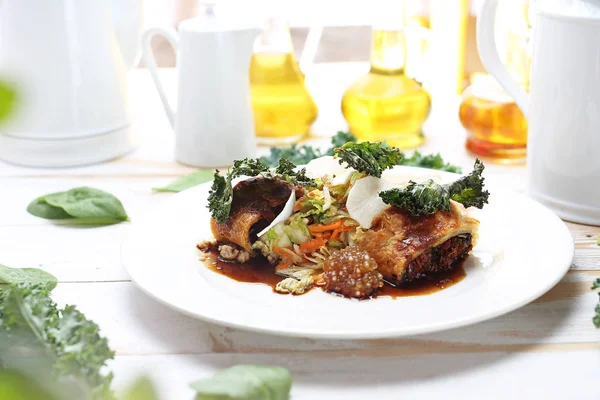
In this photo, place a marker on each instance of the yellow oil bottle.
(386, 104)
(283, 108)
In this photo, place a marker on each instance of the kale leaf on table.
(302, 154)
(64, 338)
(596, 319)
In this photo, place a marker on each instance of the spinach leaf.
(246, 382)
(83, 205)
(41, 209)
(187, 181)
(13, 276)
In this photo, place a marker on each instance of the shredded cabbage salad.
(319, 225)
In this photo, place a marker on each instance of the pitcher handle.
(173, 38)
(486, 45)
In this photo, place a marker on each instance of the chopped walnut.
(231, 253)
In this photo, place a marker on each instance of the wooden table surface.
(548, 348)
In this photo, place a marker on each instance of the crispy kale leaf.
(300, 155)
(29, 319)
(248, 167)
(297, 154)
(468, 190)
(418, 198)
(432, 161)
(340, 139)
(372, 158)
(596, 319)
(220, 196)
(428, 197)
(286, 170)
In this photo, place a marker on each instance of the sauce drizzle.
(258, 271)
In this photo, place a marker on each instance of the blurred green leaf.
(246, 382)
(17, 386)
(13, 276)
(8, 100)
(142, 389)
(187, 181)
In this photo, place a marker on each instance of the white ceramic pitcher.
(563, 107)
(213, 124)
(67, 60)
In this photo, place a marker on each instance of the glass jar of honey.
(496, 127)
(386, 104)
(283, 108)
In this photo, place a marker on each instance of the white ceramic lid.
(570, 8)
(214, 19)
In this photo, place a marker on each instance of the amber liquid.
(385, 104)
(283, 108)
(496, 131)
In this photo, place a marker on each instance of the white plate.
(523, 251)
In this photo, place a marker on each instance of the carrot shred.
(324, 228)
(312, 245)
(286, 257)
(336, 234)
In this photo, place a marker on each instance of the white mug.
(213, 124)
(563, 107)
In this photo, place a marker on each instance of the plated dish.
(522, 250)
(351, 224)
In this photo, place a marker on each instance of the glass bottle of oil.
(283, 108)
(385, 104)
(496, 127)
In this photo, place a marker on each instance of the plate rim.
(352, 335)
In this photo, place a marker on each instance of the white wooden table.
(549, 348)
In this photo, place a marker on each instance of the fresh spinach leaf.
(246, 382)
(13, 276)
(187, 181)
(83, 205)
(41, 209)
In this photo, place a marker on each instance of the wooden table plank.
(136, 324)
(498, 375)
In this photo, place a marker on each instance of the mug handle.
(486, 45)
(173, 38)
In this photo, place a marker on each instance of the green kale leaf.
(596, 319)
(372, 158)
(29, 319)
(429, 197)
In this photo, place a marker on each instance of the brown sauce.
(258, 271)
